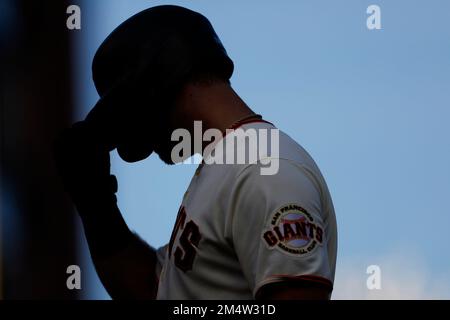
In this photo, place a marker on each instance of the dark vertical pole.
(38, 235)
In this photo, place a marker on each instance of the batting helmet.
(139, 69)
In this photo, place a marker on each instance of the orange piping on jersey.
(237, 125)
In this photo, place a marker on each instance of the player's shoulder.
(274, 157)
(275, 143)
(281, 151)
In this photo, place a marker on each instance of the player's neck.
(216, 104)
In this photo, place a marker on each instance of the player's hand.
(84, 164)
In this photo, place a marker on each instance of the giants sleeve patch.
(292, 230)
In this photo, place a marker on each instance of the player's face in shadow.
(163, 147)
(163, 144)
(164, 127)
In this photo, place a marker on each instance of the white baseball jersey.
(238, 230)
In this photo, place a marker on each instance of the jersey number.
(188, 242)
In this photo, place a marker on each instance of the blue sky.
(371, 107)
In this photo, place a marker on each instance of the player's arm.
(125, 264)
(293, 291)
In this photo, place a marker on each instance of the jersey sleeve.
(278, 226)
(160, 258)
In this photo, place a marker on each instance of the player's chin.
(165, 154)
(167, 160)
